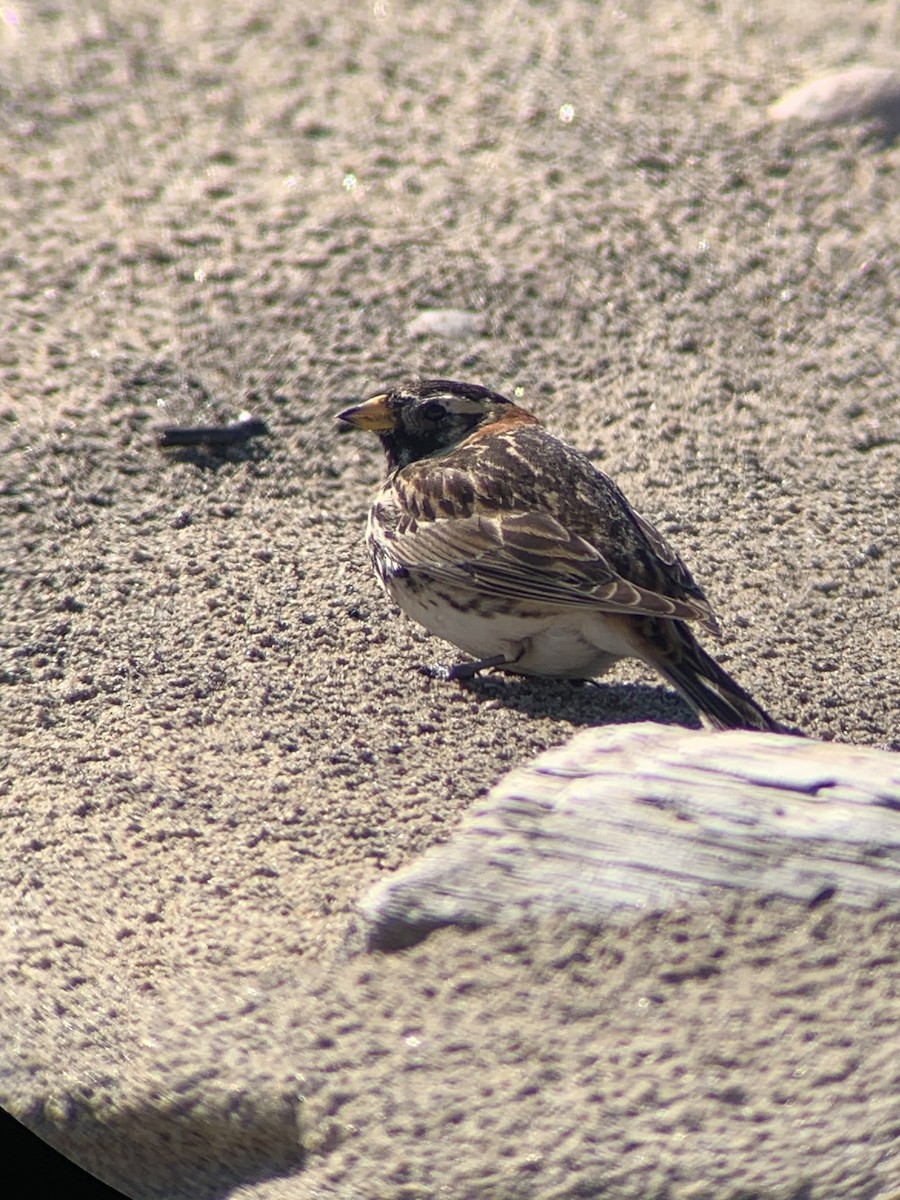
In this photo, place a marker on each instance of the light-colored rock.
(861, 93)
(630, 819)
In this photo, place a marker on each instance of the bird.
(505, 541)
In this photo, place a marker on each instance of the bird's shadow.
(580, 703)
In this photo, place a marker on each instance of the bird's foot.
(468, 670)
(464, 670)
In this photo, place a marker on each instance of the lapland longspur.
(500, 538)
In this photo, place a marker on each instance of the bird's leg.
(468, 670)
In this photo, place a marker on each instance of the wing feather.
(529, 557)
(523, 517)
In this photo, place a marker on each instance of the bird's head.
(427, 417)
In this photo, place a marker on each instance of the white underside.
(569, 642)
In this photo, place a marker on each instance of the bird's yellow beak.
(374, 415)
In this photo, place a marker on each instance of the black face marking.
(432, 416)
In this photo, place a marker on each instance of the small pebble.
(446, 322)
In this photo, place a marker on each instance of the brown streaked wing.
(530, 557)
(567, 526)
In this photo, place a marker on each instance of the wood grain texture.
(638, 818)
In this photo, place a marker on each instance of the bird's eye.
(434, 412)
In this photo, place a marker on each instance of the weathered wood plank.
(629, 819)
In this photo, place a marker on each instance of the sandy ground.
(216, 732)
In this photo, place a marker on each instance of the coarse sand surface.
(216, 732)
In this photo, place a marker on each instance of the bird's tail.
(671, 648)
